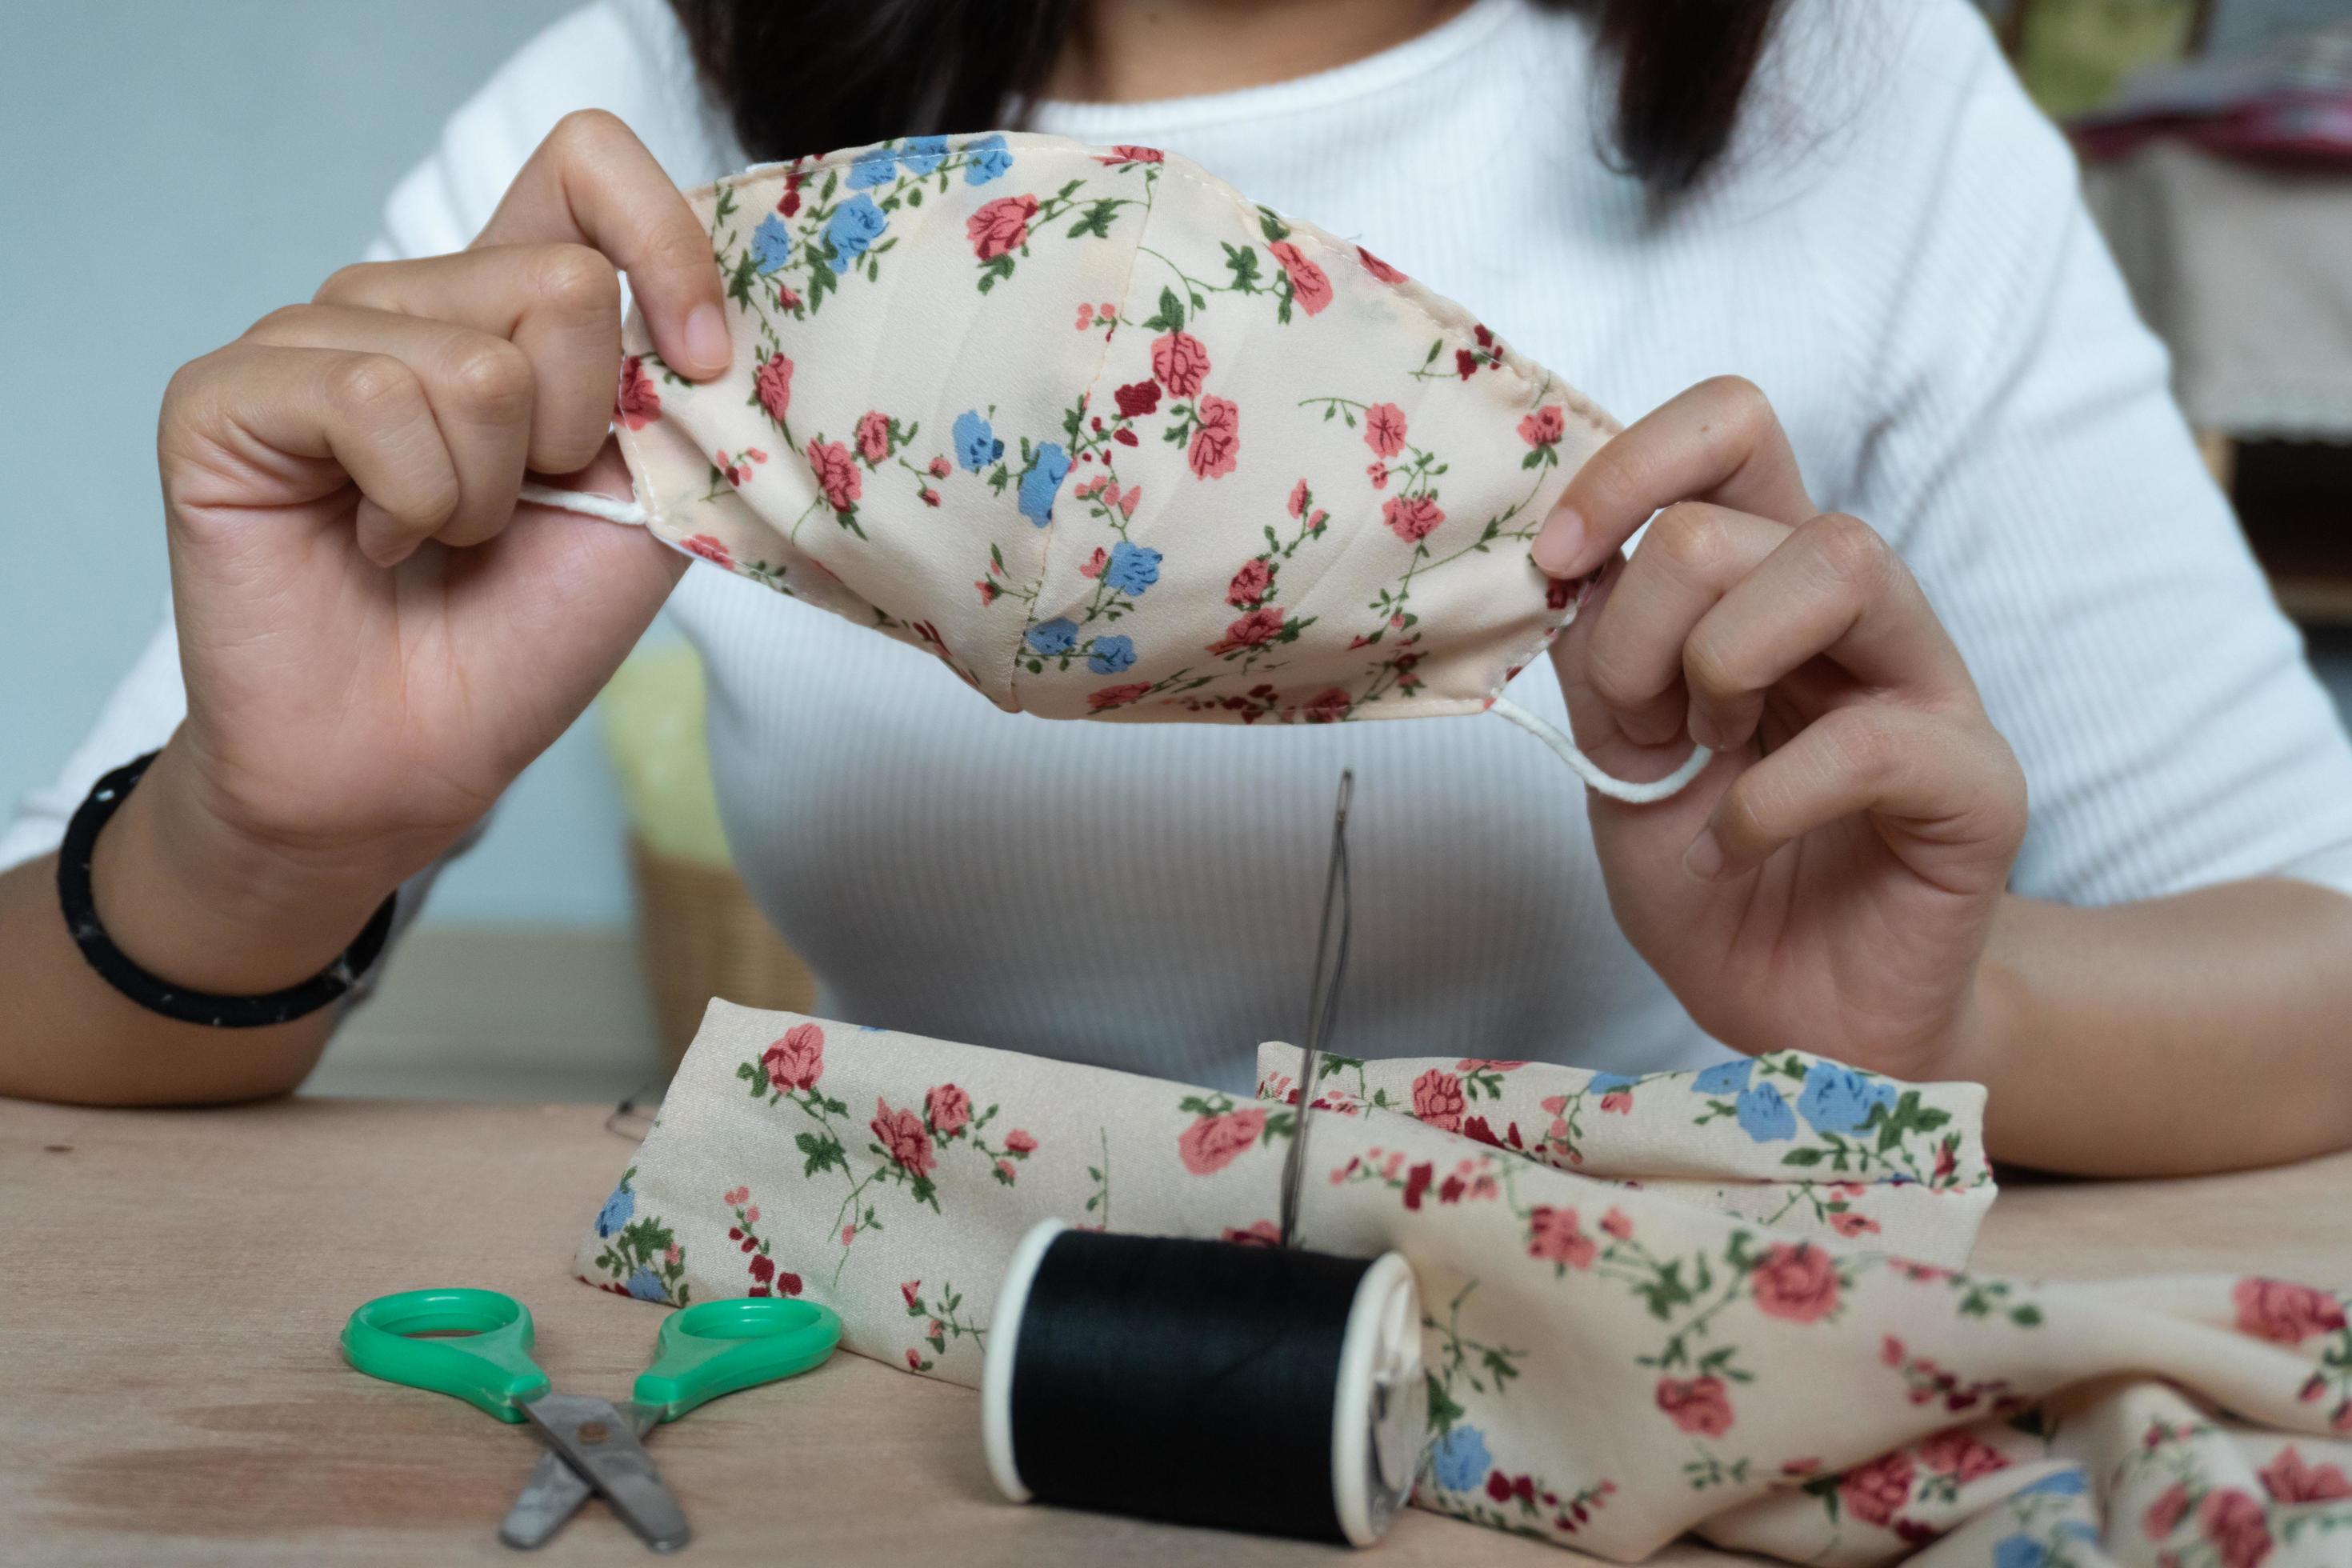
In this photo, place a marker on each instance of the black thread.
(160, 997)
(1187, 1381)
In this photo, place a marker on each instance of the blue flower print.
(771, 245)
(1108, 656)
(1460, 1460)
(1132, 569)
(879, 167)
(1723, 1078)
(987, 160)
(1764, 1115)
(1838, 1099)
(616, 1212)
(1058, 635)
(976, 445)
(856, 224)
(1040, 483)
(2019, 1550)
(921, 154)
(646, 1286)
(2068, 1482)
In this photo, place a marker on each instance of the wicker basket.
(701, 936)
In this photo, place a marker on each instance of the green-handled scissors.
(703, 1351)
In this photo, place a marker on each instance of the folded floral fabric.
(1610, 1367)
(1811, 1145)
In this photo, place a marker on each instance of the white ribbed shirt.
(1895, 253)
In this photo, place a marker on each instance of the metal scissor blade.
(1322, 1003)
(600, 1443)
(556, 1491)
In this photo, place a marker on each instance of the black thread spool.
(1205, 1382)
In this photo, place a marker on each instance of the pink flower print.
(1019, 1142)
(1615, 1223)
(836, 472)
(1095, 563)
(874, 435)
(734, 1195)
(1257, 1233)
(1310, 285)
(848, 1234)
(2164, 1515)
(988, 591)
(797, 1060)
(914, 1362)
(1486, 1064)
(1216, 440)
(1328, 706)
(1437, 1100)
(1138, 398)
(1411, 518)
(1249, 584)
(1000, 226)
(2283, 1313)
(1005, 1169)
(710, 549)
(1130, 500)
(671, 1254)
(1890, 1350)
(1796, 1283)
(929, 496)
(1125, 154)
(772, 381)
(2235, 1522)
(1852, 1224)
(1377, 267)
(907, 1290)
(1875, 1492)
(787, 298)
(1086, 315)
(1212, 1142)
(901, 1135)
(636, 403)
(1384, 429)
(1701, 1406)
(947, 1108)
(751, 1214)
(1553, 1235)
(1378, 474)
(1544, 426)
(1299, 495)
(1116, 696)
(1961, 1456)
(1619, 1102)
(941, 468)
(1256, 629)
(1180, 362)
(2289, 1479)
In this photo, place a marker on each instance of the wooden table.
(170, 1389)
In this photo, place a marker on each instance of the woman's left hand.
(1828, 882)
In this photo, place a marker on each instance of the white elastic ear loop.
(612, 509)
(1589, 771)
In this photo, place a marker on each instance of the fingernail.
(706, 343)
(1560, 543)
(1704, 859)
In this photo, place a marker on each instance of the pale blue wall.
(168, 172)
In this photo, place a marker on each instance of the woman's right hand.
(376, 637)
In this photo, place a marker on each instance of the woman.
(1863, 219)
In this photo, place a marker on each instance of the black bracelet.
(187, 1006)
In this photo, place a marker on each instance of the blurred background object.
(256, 141)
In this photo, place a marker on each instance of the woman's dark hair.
(821, 74)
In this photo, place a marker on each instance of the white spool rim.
(1351, 1412)
(996, 1366)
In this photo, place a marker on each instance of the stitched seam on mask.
(1094, 382)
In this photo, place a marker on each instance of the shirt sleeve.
(2027, 459)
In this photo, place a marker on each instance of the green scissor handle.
(719, 1347)
(491, 1368)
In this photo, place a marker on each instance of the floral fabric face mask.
(1111, 441)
